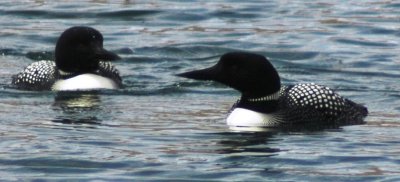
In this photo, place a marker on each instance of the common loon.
(81, 63)
(265, 103)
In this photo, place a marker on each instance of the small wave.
(364, 42)
(393, 5)
(185, 16)
(10, 52)
(377, 30)
(293, 55)
(62, 165)
(48, 14)
(233, 14)
(128, 13)
(41, 55)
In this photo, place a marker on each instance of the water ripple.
(160, 127)
(365, 42)
(131, 14)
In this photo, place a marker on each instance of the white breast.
(248, 118)
(85, 82)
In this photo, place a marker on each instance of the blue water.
(161, 127)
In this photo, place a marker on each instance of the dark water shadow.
(78, 107)
(246, 142)
(255, 140)
(259, 151)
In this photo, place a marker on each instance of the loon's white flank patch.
(85, 82)
(248, 118)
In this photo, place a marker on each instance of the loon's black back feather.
(39, 75)
(315, 103)
(42, 75)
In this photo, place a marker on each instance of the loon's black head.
(251, 74)
(79, 50)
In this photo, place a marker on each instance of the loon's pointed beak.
(105, 55)
(203, 74)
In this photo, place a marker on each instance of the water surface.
(161, 127)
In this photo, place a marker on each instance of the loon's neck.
(265, 104)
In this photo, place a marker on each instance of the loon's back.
(43, 75)
(315, 103)
(39, 75)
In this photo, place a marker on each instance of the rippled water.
(161, 127)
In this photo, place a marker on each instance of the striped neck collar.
(274, 96)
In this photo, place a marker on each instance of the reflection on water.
(249, 144)
(77, 107)
(69, 101)
(303, 127)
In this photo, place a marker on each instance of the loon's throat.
(67, 75)
(270, 97)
